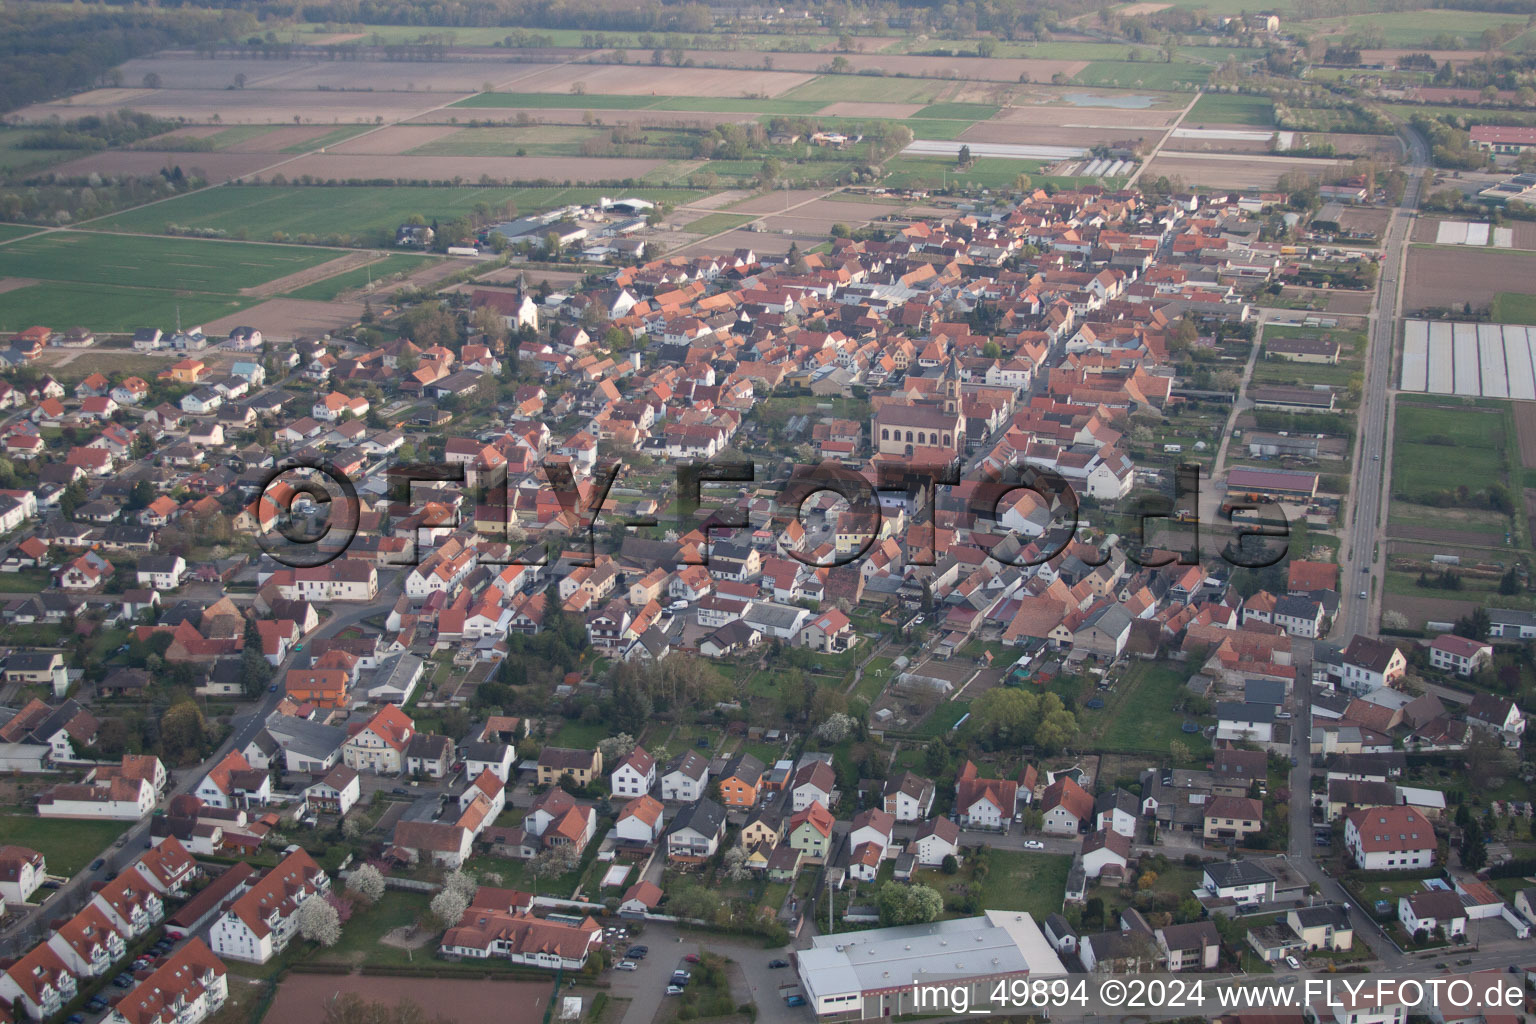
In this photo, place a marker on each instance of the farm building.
(1282, 483)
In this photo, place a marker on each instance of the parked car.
(637, 952)
(774, 965)
(1033, 844)
(123, 980)
(97, 864)
(626, 965)
(794, 1000)
(692, 958)
(1293, 963)
(674, 990)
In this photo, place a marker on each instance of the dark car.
(776, 964)
(636, 953)
(123, 980)
(97, 863)
(51, 884)
(400, 791)
(96, 1005)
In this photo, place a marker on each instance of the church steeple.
(952, 386)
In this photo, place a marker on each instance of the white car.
(626, 965)
(1033, 844)
(1293, 963)
(674, 990)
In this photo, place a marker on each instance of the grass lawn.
(361, 212)
(380, 272)
(1016, 880)
(359, 943)
(944, 718)
(67, 845)
(582, 735)
(1221, 108)
(1139, 716)
(1514, 308)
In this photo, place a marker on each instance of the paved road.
(1361, 565)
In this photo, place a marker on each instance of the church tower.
(952, 387)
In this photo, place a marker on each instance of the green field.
(107, 308)
(15, 158)
(166, 264)
(1015, 880)
(1417, 28)
(241, 133)
(1135, 74)
(984, 172)
(260, 210)
(330, 138)
(1514, 308)
(826, 89)
(958, 111)
(1220, 108)
(608, 101)
(714, 223)
(388, 267)
(10, 231)
(1447, 443)
(117, 282)
(67, 845)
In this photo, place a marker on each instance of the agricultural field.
(1217, 108)
(1513, 308)
(1135, 74)
(116, 283)
(1416, 28)
(10, 231)
(984, 172)
(392, 267)
(1450, 276)
(261, 211)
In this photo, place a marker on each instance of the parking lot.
(751, 978)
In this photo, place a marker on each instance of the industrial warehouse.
(872, 974)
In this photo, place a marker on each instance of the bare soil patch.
(758, 242)
(195, 131)
(10, 284)
(1389, 57)
(469, 168)
(774, 202)
(216, 167)
(624, 80)
(1525, 430)
(394, 140)
(958, 69)
(1453, 276)
(1225, 170)
(303, 998)
(405, 937)
(289, 319)
(1420, 610)
(700, 119)
(1362, 218)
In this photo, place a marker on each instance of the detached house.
(1389, 838)
(1067, 807)
(379, 746)
(580, 766)
(635, 775)
(695, 833)
(909, 797)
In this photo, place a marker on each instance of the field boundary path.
(1167, 134)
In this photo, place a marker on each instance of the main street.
(1360, 559)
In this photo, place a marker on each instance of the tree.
(1509, 583)
(319, 922)
(255, 670)
(183, 731)
(913, 903)
(949, 865)
(463, 883)
(965, 157)
(367, 883)
(735, 864)
(616, 748)
(835, 729)
(447, 907)
(1474, 848)
(1023, 183)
